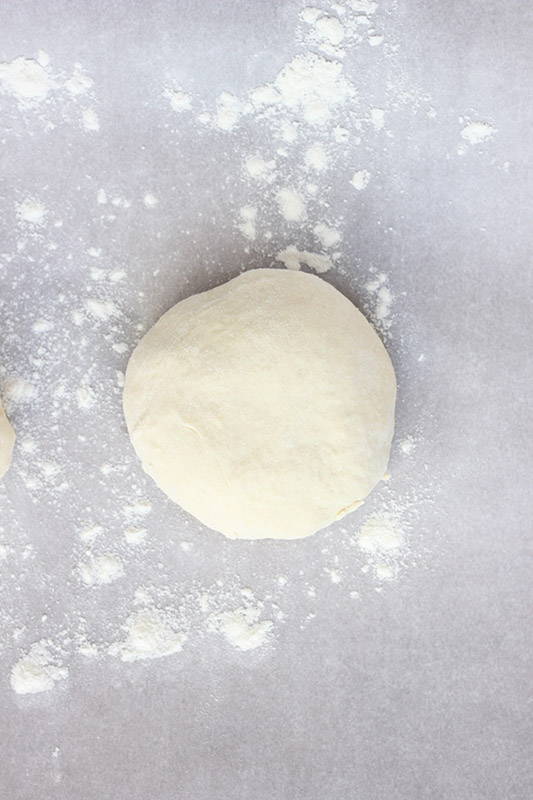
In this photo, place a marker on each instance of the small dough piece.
(265, 407)
(7, 440)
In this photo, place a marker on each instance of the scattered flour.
(377, 118)
(316, 157)
(294, 258)
(291, 205)
(258, 167)
(26, 80)
(328, 237)
(101, 569)
(150, 200)
(37, 671)
(382, 538)
(310, 85)
(360, 179)
(90, 120)
(242, 627)
(477, 132)
(382, 295)
(248, 215)
(229, 111)
(150, 633)
(19, 390)
(31, 211)
(179, 100)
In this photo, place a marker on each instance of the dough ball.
(7, 440)
(265, 407)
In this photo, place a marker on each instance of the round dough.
(7, 440)
(265, 407)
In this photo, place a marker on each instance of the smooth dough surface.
(7, 440)
(264, 407)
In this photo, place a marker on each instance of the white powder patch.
(19, 390)
(382, 538)
(377, 118)
(328, 237)
(31, 211)
(407, 445)
(101, 196)
(366, 7)
(381, 533)
(248, 215)
(150, 633)
(101, 569)
(258, 167)
(360, 179)
(383, 299)
(477, 132)
(90, 532)
(42, 325)
(78, 84)
(310, 14)
(150, 200)
(228, 111)
(26, 80)
(291, 205)
(85, 397)
(90, 120)
(330, 29)
(294, 258)
(101, 310)
(334, 574)
(242, 628)
(310, 85)
(375, 39)
(137, 510)
(179, 100)
(135, 536)
(316, 157)
(37, 671)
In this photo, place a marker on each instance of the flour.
(85, 397)
(26, 80)
(383, 298)
(228, 111)
(477, 132)
(242, 627)
(150, 200)
(313, 86)
(377, 118)
(101, 569)
(150, 633)
(90, 120)
(38, 670)
(360, 179)
(328, 237)
(179, 100)
(382, 538)
(316, 157)
(78, 83)
(258, 167)
(293, 259)
(291, 204)
(101, 310)
(19, 390)
(31, 211)
(248, 215)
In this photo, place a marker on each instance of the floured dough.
(7, 439)
(265, 407)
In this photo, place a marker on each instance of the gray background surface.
(421, 690)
